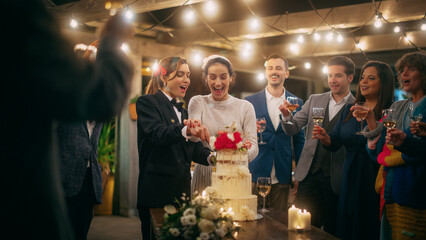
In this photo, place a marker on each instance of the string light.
(307, 65)
(423, 27)
(378, 22)
(325, 69)
(196, 58)
(339, 38)
(294, 48)
(317, 36)
(397, 29)
(210, 8)
(73, 23)
(329, 36)
(154, 66)
(189, 16)
(254, 23)
(360, 45)
(125, 48)
(300, 39)
(129, 14)
(260, 77)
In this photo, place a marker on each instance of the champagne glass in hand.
(360, 112)
(262, 123)
(318, 115)
(263, 185)
(389, 119)
(291, 106)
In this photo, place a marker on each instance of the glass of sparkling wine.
(263, 185)
(417, 118)
(262, 122)
(389, 119)
(292, 107)
(361, 114)
(317, 115)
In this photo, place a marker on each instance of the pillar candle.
(305, 220)
(293, 218)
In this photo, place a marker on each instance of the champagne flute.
(317, 115)
(361, 114)
(292, 107)
(389, 120)
(262, 122)
(263, 185)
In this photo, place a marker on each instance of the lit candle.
(293, 218)
(305, 220)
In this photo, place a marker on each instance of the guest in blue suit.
(358, 211)
(80, 172)
(275, 157)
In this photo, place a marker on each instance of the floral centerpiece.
(231, 139)
(198, 219)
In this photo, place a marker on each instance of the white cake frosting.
(232, 182)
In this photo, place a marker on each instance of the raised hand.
(287, 107)
(320, 134)
(418, 128)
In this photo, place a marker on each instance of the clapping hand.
(196, 129)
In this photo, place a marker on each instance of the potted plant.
(106, 159)
(132, 108)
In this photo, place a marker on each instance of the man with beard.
(318, 173)
(276, 155)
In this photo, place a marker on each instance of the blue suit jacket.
(75, 150)
(278, 144)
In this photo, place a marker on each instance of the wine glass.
(292, 107)
(262, 122)
(361, 114)
(263, 185)
(317, 115)
(389, 119)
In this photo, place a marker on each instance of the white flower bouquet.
(201, 218)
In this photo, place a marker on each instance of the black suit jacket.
(76, 149)
(164, 154)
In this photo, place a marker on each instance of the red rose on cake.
(229, 140)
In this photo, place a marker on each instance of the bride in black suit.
(165, 155)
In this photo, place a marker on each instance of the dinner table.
(268, 226)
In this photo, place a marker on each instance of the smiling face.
(369, 83)
(276, 72)
(218, 80)
(177, 86)
(411, 80)
(338, 80)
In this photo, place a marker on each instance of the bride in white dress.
(219, 109)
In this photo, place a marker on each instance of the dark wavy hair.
(166, 66)
(386, 90)
(416, 60)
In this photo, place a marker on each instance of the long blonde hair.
(166, 66)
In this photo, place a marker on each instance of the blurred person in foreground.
(44, 82)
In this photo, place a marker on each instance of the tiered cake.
(232, 178)
(232, 182)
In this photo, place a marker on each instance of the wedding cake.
(232, 179)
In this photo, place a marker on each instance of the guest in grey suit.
(318, 173)
(80, 172)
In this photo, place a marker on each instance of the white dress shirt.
(334, 107)
(274, 114)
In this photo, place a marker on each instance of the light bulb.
(189, 16)
(378, 23)
(73, 23)
(325, 69)
(423, 27)
(329, 36)
(261, 77)
(294, 48)
(307, 65)
(317, 36)
(300, 39)
(254, 23)
(339, 38)
(129, 14)
(397, 29)
(210, 8)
